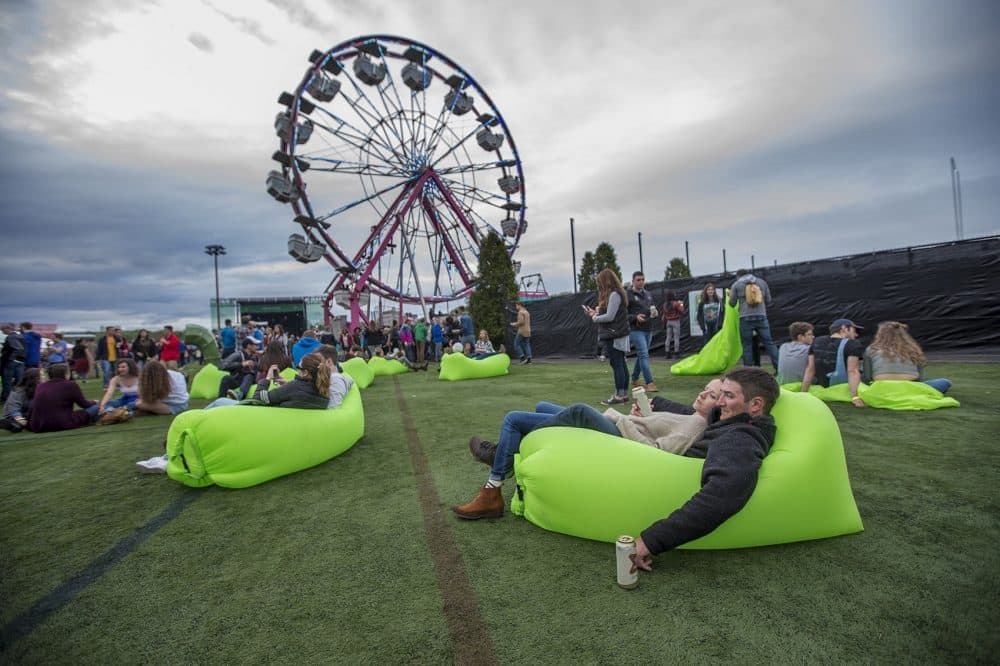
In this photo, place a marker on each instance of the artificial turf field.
(359, 560)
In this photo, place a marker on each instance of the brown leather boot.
(488, 504)
(636, 383)
(483, 450)
(651, 388)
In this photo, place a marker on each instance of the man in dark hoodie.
(733, 448)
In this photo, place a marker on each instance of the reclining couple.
(729, 425)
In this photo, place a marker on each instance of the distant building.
(295, 313)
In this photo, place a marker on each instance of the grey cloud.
(302, 16)
(201, 42)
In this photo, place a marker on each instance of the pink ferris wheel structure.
(388, 123)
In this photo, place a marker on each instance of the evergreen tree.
(604, 257)
(495, 291)
(676, 269)
(588, 271)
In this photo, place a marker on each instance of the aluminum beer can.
(628, 574)
(641, 399)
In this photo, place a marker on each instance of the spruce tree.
(588, 272)
(495, 291)
(604, 257)
(676, 269)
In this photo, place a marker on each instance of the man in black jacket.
(242, 368)
(641, 313)
(733, 448)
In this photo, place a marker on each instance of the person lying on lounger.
(733, 446)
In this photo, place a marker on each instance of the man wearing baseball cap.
(836, 359)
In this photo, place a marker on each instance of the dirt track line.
(470, 638)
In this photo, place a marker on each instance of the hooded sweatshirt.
(302, 347)
(733, 450)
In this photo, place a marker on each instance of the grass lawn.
(359, 560)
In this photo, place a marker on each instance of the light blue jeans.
(640, 340)
(513, 429)
(940, 384)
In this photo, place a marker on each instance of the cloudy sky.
(134, 133)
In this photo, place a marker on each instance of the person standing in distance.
(753, 296)
(522, 339)
(641, 313)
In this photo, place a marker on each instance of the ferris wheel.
(386, 124)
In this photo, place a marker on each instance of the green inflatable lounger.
(358, 369)
(241, 446)
(455, 367)
(596, 486)
(205, 384)
(719, 354)
(386, 366)
(907, 396)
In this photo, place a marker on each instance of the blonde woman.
(894, 354)
(611, 317)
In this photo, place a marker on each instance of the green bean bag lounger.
(719, 354)
(242, 445)
(386, 366)
(884, 394)
(596, 486)
(455, 367)
(358, 370)
(205, 384)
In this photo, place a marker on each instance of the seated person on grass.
(484, 346)
(647, 430)
(242, 368)
(895, 355)
(836, 359)
(793, 356)
(125, 381)
(17, 408)
(52, 409)
(733, 447)
(161, 391)
(274, 356)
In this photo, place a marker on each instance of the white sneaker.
(155, 465)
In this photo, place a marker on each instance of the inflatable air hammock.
(884, 394)
(384, 366)
(358, 369)
(241, 446)
(205, 384)
(596, 486)
(203, 339)
(719, 354)
(456, 367)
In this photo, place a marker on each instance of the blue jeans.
(107, 370)
(619, 368)
(221, 402)
(522, 346)
(13, 372)
(513, 429)
(709, 331)
(757, 323)
(127, 400)
(940, 384)
(640, 340)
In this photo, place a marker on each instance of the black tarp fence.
(948, 293)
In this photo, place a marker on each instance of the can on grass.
(628, 573)
(641, 399)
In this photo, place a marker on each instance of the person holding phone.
(272, 362)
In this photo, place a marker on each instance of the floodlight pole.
(572, 245)
(640, 254)
(215, 251)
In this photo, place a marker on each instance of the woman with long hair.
(710, 312)
(309, 390)
(274, 356)
(126, 381)
(611, 317)
(161, 391)
(894, 354)
(81, 360)
(143, 348)
(17, 409)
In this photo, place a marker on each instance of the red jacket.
(171, 349)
